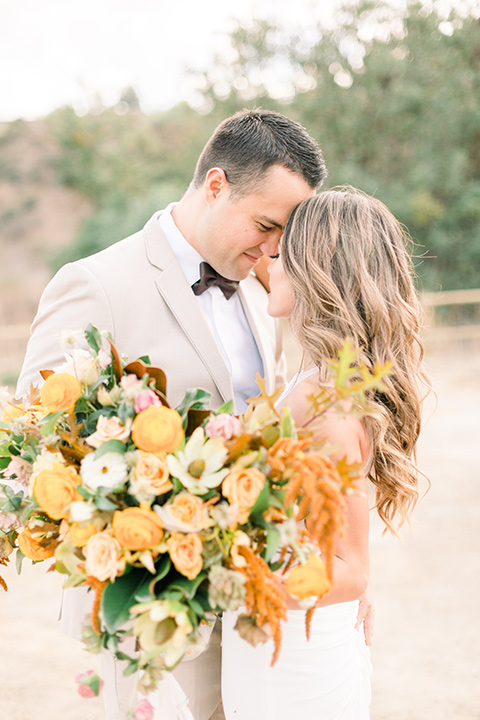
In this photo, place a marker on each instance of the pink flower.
(145, 399)
(144, 711)
(104, 357)
(89, 684)
(109, 429)
(19, 467)
(223, 425)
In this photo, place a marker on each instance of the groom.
(182, 291)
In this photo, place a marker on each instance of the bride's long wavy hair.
(347, 258)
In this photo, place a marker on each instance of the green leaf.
(47, 424)
(187, 587)
(261, 504)
(225, 408)
(111, 446)
(119, 596)
(4, 462)
(104, 503)
(146, 591)
(273, 543)
(93, 337)
(194, 399)
(18, 561)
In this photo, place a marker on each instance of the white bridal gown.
(325, 678)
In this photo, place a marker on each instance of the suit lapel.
(177, 294)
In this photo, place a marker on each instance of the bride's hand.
(366, 614)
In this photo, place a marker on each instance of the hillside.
(37, 216)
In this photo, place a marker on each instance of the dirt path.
(426, 586)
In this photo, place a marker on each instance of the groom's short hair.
(247, 144)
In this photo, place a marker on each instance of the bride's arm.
(351, 561)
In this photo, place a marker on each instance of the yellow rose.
(60, 391)
(103, 559)
(186, 553)
(242, 487)
(157, 429)
(55, 488)
(137, 528)
(81, 535)
(30, 546)
(309, 579)
(153, 468)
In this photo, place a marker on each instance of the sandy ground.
(426, 587)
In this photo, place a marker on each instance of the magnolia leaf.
(103, 503)
(119, 596)
(146, 591)
(194, 399)
(225, 408)
(140, 368)
(111, 446)
(187, 587)
(116, 362)
(93, 337)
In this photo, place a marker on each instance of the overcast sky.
(54, 52)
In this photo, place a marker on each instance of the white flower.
(81, 365)
(80, 511)
(109, 471)
(69, 339)
(199, 467)
(288, 531)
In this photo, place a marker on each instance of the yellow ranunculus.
(60, 391)
(242, 487)
(30, 547)
(12, 412)
(157, 429)
(81, 535)
(137, 528)
(55, 488)
(186, 553)
(309, 579)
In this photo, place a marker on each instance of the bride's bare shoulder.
(345, 431)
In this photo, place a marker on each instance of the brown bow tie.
(209, 277)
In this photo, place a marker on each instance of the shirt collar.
(186, 255)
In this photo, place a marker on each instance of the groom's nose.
(270, 245)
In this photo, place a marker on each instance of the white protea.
(199, 467)
(109, 470)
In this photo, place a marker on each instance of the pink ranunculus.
(223, 425)
(144, 711)
(89, 684)
(145, 399)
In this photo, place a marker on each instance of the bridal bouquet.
(170, 515)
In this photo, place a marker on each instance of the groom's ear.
(215, 183)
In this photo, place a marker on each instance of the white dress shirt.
(226, 318)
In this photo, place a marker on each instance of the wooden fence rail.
(439, 336)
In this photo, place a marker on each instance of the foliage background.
(391, 94)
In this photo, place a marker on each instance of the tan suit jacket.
(137, 291)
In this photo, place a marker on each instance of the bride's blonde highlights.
(346, 257)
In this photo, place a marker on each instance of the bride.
(343, 271)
